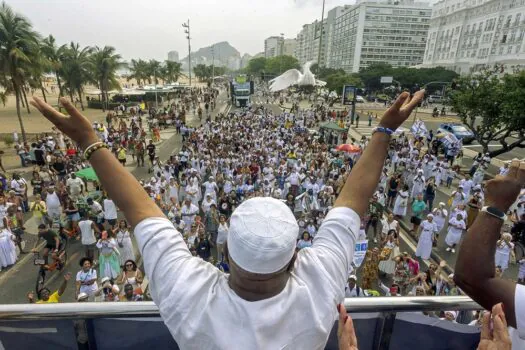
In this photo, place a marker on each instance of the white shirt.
(110, 210)
(86, 232)
(52, 201)
(519, 307)
(75, 184)
(87, 276)
(205, 300)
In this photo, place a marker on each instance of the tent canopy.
(331, 126)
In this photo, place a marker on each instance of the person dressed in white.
(503, 248)
(188, 212)
(110, 212)
(440, 217)
(458, 197)
(456, 226)
(53, 204)
(86, 280)
(7, 245)
(87, 235)
(467, 185)
(427, 232)
(401, 203)
(210, 187)
(418, 184)
(352, 290)
(267, 276)
(222, 235)
(124, 243)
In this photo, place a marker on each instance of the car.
(359, 99)
(458, 130)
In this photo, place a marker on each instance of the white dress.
(424, 244)
(503, 255)
(125, 247)
(440, 217)
(454, 234)
(7, 248)
(402, 198)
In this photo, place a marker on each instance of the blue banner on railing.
(411, 330)
(54, 334)
(132, 334)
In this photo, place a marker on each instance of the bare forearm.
(123, 188)
(475, 267)
(363, 179)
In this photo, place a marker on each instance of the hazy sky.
(149, 29)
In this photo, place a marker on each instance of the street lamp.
(187, 31)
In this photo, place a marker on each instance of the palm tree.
(18, 42)
(40, 66)
(171, 71)
(138, 71)
(76, 69)
(53, 53)
(104, 64)
(153, 70)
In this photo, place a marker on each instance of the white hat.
(82, 296)
(352, 277)
(262, 236)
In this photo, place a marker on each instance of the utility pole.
(187, 31)
(155, 80)
(212, 64)
(282, 53)
(320, 40)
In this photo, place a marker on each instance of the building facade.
(173, 56)
(289, 46)
(307, 46)
(374, 31)
(273, 46)
(467, 35)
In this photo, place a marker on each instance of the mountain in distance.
(225, 55)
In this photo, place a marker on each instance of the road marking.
(478, 146)
(19, 263)
(28, 330)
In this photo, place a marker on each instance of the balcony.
(381, 323)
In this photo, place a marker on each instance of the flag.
(360, 252)
(419, 128)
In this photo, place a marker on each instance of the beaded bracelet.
(88, 148)
(93, 148)
(382, 129)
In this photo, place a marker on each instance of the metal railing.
(149, 309)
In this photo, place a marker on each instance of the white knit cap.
(262, 236)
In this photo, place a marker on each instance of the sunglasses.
(127, 265)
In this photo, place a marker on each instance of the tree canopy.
(272, 66)
(493, 107)
(407, 77)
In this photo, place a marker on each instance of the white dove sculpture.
(295, 77)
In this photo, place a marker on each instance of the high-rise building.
(273, 46)
(307, 47)
(173, 56)
(289, 47)
(374, 31)
(467, 35)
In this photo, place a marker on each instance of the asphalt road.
(18, 280)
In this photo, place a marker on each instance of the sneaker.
(453, 250)
(448, 249)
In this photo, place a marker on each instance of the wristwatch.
(494, 212)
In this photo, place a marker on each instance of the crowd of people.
(229, 160)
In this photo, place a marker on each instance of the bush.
(9, 140)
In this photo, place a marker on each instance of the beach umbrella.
(348, 148)
(87, 174)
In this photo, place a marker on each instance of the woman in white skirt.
(456, 226)
(503, 249)
(401, 203)
(427, 231)
(440, 216)
(124, 243)
(7, 245)
(392, 242)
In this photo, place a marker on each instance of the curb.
(20, 262)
